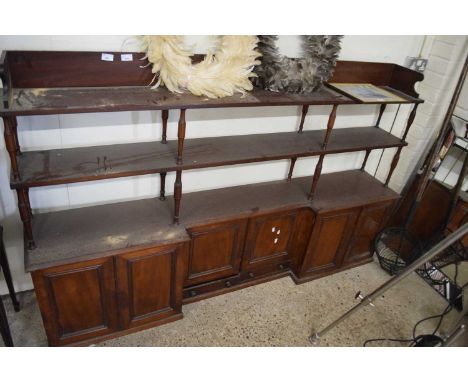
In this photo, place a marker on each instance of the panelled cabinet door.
(329, 240)
(77, 301)
(149, 284)
(269, 239)
(370, 222)
(215, 251)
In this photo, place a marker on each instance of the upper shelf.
(48, 167)
(80, 82)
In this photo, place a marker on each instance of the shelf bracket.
(410, 121)
(181, 136)
(11, 142)
(318, 171)
(177, 195)
(381, 111)
(162, 188)
(305, 109)
(24, 207)
(165, 117)
(330, 124)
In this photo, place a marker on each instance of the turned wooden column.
(165, 117)
(181, 136)
(330, 124)
(365, 159)
(410, 121)
(177, 195)
(305, 109)
(318, 171)
(11, 143)
(162, 188)
(393, 165)
(25, 214)
(381, 111)
(291, 168)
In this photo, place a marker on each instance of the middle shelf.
(71, 165)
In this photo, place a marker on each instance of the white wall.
(107, 128)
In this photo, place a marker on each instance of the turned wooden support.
(305, 109)
(291, 168)
(25, 214)
(394, 163)
(181, 136)
(381, 111)
(410, 121)
(11, 145)
(162, 188)
(177, 195)
(165, 117)
(331, 122)
(365, 159)
(318, 171)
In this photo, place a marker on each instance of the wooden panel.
(47, 167)
(268, 239)
(149, 221)
(77, 301)
(149, 284)
(370, 222)
(329, 240)
(215, 251)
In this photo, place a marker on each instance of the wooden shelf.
(84, 233)
(41, 168)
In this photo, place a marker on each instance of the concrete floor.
(277, 313)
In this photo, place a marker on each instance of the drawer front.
(269, 239)
(215, 251)
(150, 284)
(77, 301)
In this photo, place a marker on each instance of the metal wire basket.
(396, 248)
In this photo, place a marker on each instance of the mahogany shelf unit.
(139, 261)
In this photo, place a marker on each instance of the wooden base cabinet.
(90, 300)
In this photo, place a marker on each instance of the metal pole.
(369, 299)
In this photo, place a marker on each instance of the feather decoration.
(221, 74)
(297, 75)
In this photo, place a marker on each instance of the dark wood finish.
(269, 239)
(49, 167)
(291, 168)
(5, 267)
(181, 136)
(393, 165)
(11, 145)
(25, 214)
(177, 195)
(5, 76)
(165, 117)
(148, 222)
(305, 109)
(4, 327)
(330, 124)
(77, 301)
(381, 111)
(328, 243)
(370, 222)
(215, 251)
(410, 121)
(315, 179)
(149, 284)
(162, 188)
(363, 167)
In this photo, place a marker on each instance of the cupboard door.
(150, 284)
(269, 239)
(215, 251)
(329, 240)
(370, 222)
(77, 301)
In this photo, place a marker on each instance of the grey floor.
(277, 313)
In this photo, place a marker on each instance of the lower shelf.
(84, 233)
